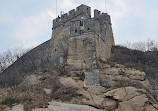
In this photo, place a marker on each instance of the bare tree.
(149, 45)
(10, 56)
(139, 46)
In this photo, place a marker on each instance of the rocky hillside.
(36, 58)
(144, 61)
(121, 89)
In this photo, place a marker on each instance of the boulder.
(56, 106)
(150, 108)
(123, 94)
(135, 74)
(109, 104)
(135, 104)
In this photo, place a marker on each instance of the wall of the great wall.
(44, 55)
(66, 24)
(103, 46)
(72, 15)
(90, 26)
(80, 49)
(80, 52)
(59, 44)
(67, 46)
(38, 57)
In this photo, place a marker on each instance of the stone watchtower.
(89, 39)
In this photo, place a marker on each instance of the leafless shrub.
(10, 56)
(144, 61)
(149, 45)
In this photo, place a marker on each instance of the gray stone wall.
(80, 52)
(63, 25)
(97, 25)
(97, 13)
(89, 27)
(43, 56)
(81, 10)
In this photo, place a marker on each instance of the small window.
(87, 8)
(76, 31)
(87, 28)
(81, 23)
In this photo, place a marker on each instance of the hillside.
(144, 61)
(43, 84)
(121, 89)
(81, 69)
(36, 58)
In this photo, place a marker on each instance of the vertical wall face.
(59, 45)
(89, 27)
(80, 52)
(97, 33)
(104, 46)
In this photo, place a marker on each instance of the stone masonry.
(89, 39)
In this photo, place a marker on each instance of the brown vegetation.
(143, 61)
(34, 96)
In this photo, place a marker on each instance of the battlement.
(97, 13)
(80, 10)
(73, 17)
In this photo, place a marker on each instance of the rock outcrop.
(121, 89)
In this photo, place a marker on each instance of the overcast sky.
(29, 22)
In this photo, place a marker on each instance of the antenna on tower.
(56, 8)
(105, 7)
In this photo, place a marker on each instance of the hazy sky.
(29, 22)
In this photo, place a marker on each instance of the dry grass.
(30, 99)
(65, 94)
(35, 97)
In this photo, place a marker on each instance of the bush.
(10, 100)
(65, 94)
(143, 61)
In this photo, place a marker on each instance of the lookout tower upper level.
(80, 22)
(73, 14)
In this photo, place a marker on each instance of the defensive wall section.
(72, 20)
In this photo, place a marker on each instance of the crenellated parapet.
(97, 13)
(97, 25)
(80, 10)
